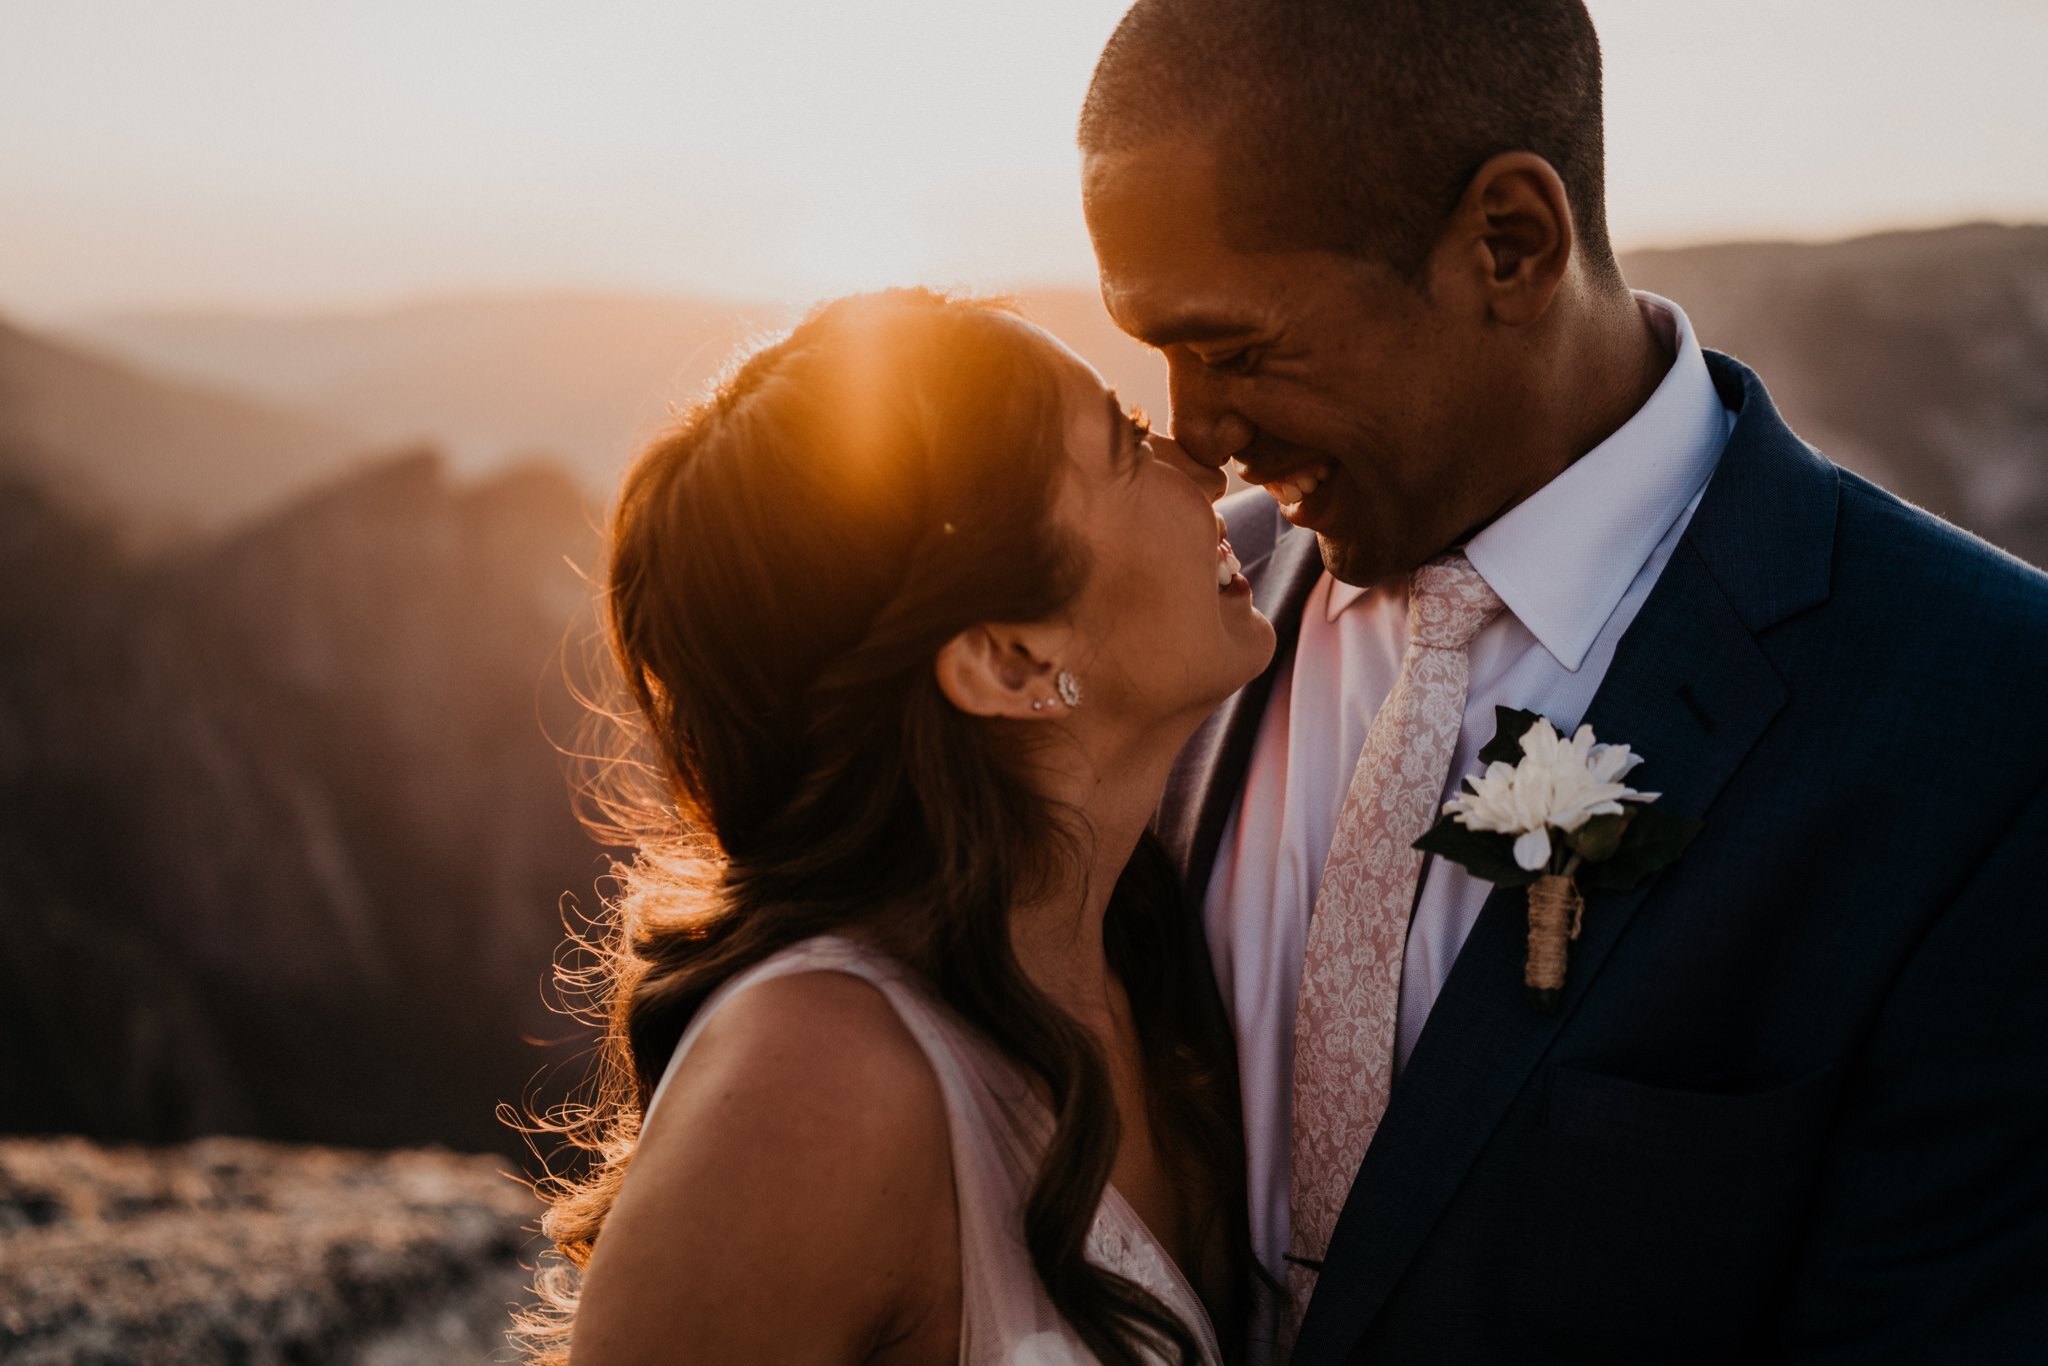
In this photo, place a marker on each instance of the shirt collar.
(1563, 558)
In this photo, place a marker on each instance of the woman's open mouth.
(1227, 567)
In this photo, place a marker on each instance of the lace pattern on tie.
(1351, 974)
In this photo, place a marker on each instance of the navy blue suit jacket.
(1795, 1105)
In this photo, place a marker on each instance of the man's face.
(1340, 387)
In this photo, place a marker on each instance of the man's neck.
(1619, 361)
(1605, 364)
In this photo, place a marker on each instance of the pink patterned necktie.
(1351, 973)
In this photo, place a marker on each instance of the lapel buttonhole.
(1694, 705)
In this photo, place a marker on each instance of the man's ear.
(1512, 236)
(1000, 671)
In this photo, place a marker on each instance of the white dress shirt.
(1573, 564)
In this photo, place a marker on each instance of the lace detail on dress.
(1118, 1241)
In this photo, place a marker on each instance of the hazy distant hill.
(580, 376)
(1920, 358)
(1917, 358)
(161, 457)
(586, 378)
(284, 833)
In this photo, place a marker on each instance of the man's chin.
(1356, 561)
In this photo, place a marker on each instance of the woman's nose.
(1208, 479)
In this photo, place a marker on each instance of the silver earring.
(1068, 688)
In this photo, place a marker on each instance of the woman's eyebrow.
(1119, 428)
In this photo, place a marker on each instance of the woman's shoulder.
(817, 1047)
(812, 1025)
(821, 1037)
(801, 1149)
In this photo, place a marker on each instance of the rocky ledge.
(231, 1250)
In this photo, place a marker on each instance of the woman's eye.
(1141, 438)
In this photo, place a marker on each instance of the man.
(1793, 1101)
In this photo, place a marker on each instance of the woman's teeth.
(1227, 565)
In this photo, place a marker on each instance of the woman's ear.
(1001, 671)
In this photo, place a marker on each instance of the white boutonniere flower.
(1554, 815)
(1559, 785)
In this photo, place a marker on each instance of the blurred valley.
(289, 609)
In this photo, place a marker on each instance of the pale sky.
(269, 155)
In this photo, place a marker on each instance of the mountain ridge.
(1912, 356)
(159, 457)
(287, 825)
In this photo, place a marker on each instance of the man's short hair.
(1355, 125)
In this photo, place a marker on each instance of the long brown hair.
(784, 568)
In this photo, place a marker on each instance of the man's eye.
(1238, 363)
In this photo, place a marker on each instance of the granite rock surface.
(232, 1250)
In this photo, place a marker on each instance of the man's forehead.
(1134, 206)
(1167, 273)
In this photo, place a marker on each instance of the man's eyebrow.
(1191, 327)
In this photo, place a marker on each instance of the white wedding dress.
(999, 1129)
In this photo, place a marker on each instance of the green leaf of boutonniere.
(1487, 856)
(1510, 724)
(1654, 838)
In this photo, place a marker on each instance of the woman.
(914, 1057)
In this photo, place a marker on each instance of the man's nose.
(1207, 478)
(1208, 427)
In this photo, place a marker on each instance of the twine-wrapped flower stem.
(1555, 911)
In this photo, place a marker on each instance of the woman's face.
(1164, 630)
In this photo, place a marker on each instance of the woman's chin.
(1245, 625)
(1247, 647)
(1264, 640)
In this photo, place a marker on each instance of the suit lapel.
(1690, 689)
(1207, 777)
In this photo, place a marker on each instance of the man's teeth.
(1290, 491)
